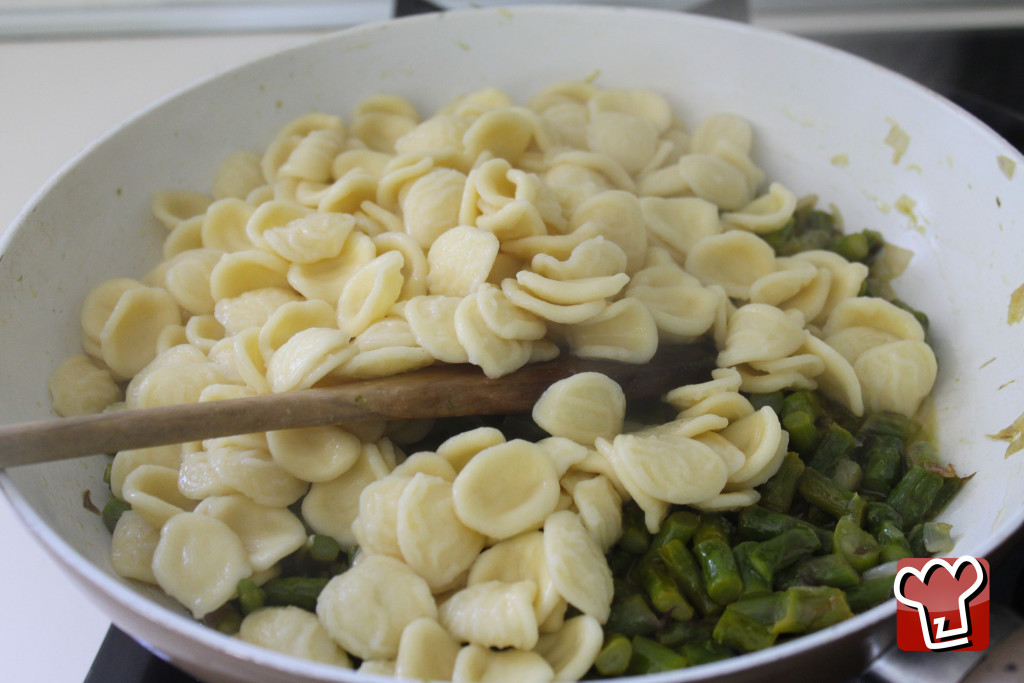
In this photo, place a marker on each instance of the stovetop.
(980, 70)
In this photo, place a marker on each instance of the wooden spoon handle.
(436, 391)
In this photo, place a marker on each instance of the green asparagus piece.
(777, 493)
(754, 583)
(613, 657)
(324, 549)
(883, 464)
(854, 246)
(705, 651)
(803, 435)
(803, 402)
(819, 570)
(856, 545)
(713, 525)
(741, 632)
(877, 513)
(663, 591)
(914, 494)
(687, 572)
(885, 423)
(799, 609)
(757, 523)
(250, 596)
(635, 538)
(836, 443)
(848, 474)
(650, 657)
(718, 567)
(300, 591)
(870, 592)
(632, 616)
(677, 633)
(679, 525)
(893, 542)
(225, 619)
(951, 485)
(818, 490)
(768, 557)
(112, 512)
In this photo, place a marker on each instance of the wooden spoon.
(435, 391)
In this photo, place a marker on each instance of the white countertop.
(57, 98)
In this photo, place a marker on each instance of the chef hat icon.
(943, 637)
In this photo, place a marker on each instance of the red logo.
(943, 604)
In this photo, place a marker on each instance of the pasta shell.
(426, 651)
(583, 407)
(492, 614)
(292, 631)
(577, 565)
(506, 489)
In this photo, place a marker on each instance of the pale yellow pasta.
(838, 380)
(577, 565)
(565, 314)
(599, 506)
(248, 361)
(79, 386)
(430, 204)
(506, 489)
(477, 664)
(722, 126)
(572, 649)
(289, 319)
(366, 608)
(379, 130)
(494, 614)
(370, 292)
(267, 533)
(517, 559)
(171, 207)
(132, 545)
(289, 137)
(678, 223)
(504, 318)
(845, 281)
(426, 651)
(852, 341)
(432, 539)
(240, 272)
(152, 491)
(766, 213)
(668, 467)
(129, 335)
(583, 407)
(758, 332)
(414, 267)
(307, 357)
(310, 238)
(173, 384)
(252, 308)
(682, 309)
(314, 454)
(237, 175)
(186, 236)
(376, 527)
(460, 448)
(616, 215)
(199, 561)
(331, 507)
(796, 372)
(733, 260)
(292, 631)
(312, 157)
(326, 279)
(877, 313)
(896, 376)
(440, 132)
(495, 355)
(624, 331)
(224, 225)
(252, 472)
(761, 438)
(127, 461)
(203, 332)
(460, 260)
(432, 322)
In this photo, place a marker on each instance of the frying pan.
(826, 124)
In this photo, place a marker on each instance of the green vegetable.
(112, 512)
(689, 577)
(856, 545)
(820, 491)
(820, 570)
(777, 493)
(650, 657)
(663, 591)
(632, 616)
(768, 557)
(915, 494)
(250, 596)
(299, 591)
(613, 658)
